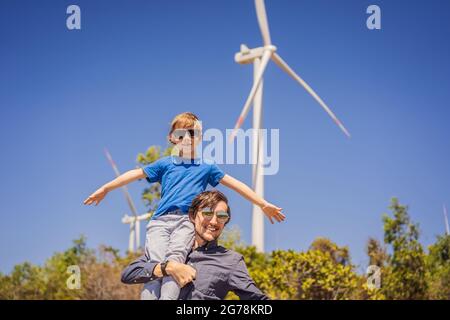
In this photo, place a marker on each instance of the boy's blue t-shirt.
(181, 181)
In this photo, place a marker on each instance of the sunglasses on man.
(221, 216)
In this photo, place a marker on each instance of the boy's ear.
(169, 138)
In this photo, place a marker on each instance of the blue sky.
(117, 83)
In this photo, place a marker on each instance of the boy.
(182, 176)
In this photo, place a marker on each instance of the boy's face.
(186, 139)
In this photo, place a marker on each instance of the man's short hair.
(208, 199)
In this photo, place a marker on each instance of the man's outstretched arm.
(139, 271)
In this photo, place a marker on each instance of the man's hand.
(273, 212)
(180, 272)
(96, 197)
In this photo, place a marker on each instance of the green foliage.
(439, 253)
(25, 282)
(338, 254)
(306, 275)
(323, 272)
(376, 252)
(406, 275)
(100, 276)
(438, 262)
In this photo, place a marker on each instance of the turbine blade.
(285, 67)
(264, 60)
(124, 188)
(262, 20)
(111, 162)
(447, 229)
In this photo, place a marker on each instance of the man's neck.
(198, 242)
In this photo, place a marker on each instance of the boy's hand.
(96, 197)
(273, 212)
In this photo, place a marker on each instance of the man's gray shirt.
(219, 271)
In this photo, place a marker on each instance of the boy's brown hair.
(184, 120)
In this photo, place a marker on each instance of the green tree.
(406, 274)
(100, 276)
(438, 262)
(323, 272)
(338, 254)
(27, 281)
(376, 252)
(24, 282)
(313, 274)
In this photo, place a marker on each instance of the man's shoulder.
(236, 256)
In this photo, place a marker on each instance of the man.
(211, 271)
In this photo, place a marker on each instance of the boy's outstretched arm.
(270, 210)
(118, 182)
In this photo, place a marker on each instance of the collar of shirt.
(177, 160)
(208, 245)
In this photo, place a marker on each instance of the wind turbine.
(134, 242)
(447, 230)
(260, 58)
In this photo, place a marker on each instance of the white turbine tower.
(134, 242)
(447, 230)
(260, 57)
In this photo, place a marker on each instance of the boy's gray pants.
(169, 238)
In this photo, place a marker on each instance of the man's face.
(211, 229)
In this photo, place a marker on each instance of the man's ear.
(191, 217)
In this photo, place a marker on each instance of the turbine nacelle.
(246, 55)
